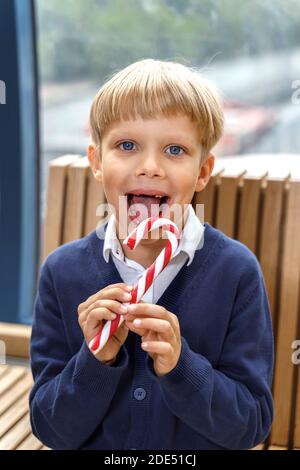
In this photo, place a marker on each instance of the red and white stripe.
(147, 225)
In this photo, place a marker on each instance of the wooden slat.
(270, 238)
(75, 200)
(208, 197)
(95, 197)
(296, 431)
(13, 375)
(14, 406)
(30, 443)
(227, 201)
(277, 448)
(248, 217)
(15, 392)
(3, 369)
(258, 447)
(13, 414)
(16, 434)
(16, 338)
(56, 191)
(288, 316)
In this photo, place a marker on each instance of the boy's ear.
(95, 162)
(205, 172)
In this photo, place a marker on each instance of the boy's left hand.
(160, 331)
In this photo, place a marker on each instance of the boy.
(191, 366)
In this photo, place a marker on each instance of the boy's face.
(141, 159)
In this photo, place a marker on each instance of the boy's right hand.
(104, 305)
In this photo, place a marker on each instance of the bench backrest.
(254, 199)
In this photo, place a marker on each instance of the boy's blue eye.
(175, 149)
(127, 145)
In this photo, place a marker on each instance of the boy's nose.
(150, 165)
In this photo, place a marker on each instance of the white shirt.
(192, 238)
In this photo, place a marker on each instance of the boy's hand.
(104, 305)
(160, 331)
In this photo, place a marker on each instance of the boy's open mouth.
(147, 199)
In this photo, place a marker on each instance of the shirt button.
(139, 394)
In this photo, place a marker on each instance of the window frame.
(20, 166)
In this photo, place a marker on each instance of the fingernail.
(129, 288)
(123, 308)
(145, 345)
(113, 316)
(137, 321)
(127, 296)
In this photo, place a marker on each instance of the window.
(19, 173)
(250, 49)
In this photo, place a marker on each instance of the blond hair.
(149, 88)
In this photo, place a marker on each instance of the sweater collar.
(188, 276)
(191, 240)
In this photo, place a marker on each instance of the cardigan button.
(139, 394)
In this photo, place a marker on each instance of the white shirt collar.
(192, 235)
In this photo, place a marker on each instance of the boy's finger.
(120, 285)
(113, 305)
(117, 293)
(149, 310)
(163, 327)
(99, 314)
(138, 331)
(98, 295)
(122, 333)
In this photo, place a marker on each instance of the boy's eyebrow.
(172, 138)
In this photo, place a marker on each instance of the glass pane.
(251, 50)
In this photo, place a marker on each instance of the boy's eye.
(175, 150)
(127, 145)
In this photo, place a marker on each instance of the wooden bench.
(254, 199)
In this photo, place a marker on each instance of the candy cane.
(147, 225)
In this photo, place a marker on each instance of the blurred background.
(251, 49)
(65, 50)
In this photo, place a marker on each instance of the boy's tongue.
(147, 201)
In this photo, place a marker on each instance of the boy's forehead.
(163, 124)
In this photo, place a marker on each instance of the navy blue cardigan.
(218, 396)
